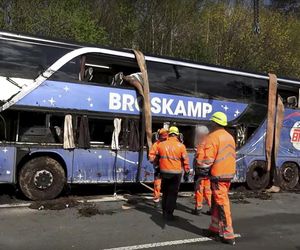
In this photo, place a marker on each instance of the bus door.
(7, 163)
(7, 151)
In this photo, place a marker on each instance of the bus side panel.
(131, 165)
(97, 166)
(7, 164)
(253, 150)
(289, 149)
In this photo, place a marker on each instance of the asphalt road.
(263, 224)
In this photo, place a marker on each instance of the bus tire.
(42, 178)
(289, 175)
(257, 175)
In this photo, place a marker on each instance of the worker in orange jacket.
(173, 161)
(201, 178)
(220, 161)
(162, 136)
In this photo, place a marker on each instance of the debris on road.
(241, 197)
(57, 204)
(92, 210)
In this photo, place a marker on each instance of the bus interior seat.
(88, 74)
(292, 101)
(37, 134)
(117, 79)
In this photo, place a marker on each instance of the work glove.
(186, 176)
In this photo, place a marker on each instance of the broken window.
(33, 127)
(102, 69)
(101, 131)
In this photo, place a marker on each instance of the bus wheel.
(42, 178)
(289, 175)
(257, 175)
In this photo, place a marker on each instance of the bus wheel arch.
(289, 175)
(42, 176)
(257, 177)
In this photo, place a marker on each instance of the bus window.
(56, 125)
(26, 60)
(101, 131)
(173, 79)
(3, 132)
(69, 72)
(102, 69)
(33, 128)
(168, 78)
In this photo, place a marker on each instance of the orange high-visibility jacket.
(220, 155)
(199, 157)
(173, 157)
(153, 151)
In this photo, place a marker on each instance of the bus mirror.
(292, 101)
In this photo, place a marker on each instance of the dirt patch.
(6, 199)
(57, 204)
(92, 210)
(241, 197)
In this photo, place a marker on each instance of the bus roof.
(128, 53)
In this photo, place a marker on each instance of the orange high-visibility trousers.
(202, 191)
(157, 188)
(221, 221)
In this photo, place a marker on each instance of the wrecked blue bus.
(60, 101)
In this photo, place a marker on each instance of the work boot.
(196, 211)
(156, 204)
(229, 241)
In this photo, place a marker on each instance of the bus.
(61, 130)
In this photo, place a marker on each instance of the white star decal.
(52, 101)
(225, 107)
(236, 113)
(59, 96)
(5, 150)
(66, 88)
(44, 101)
(89, 99)
(100, 156)
(91, 105)
(80, 176)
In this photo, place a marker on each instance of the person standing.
(220, 156)
(173, 161)
(162, 136)
(201, 177)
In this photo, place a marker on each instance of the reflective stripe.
(224, 158)
(222, 177)
(228, 235)
(229, 228)
(170, 171)
(204, 163)
(224, 148)
(203, 166)
(169, 157)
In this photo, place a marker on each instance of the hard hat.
(219, 118)
(203, 130)
(163, 133)
(174, 130)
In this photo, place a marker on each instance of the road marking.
(166, 243)
(95, 200)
